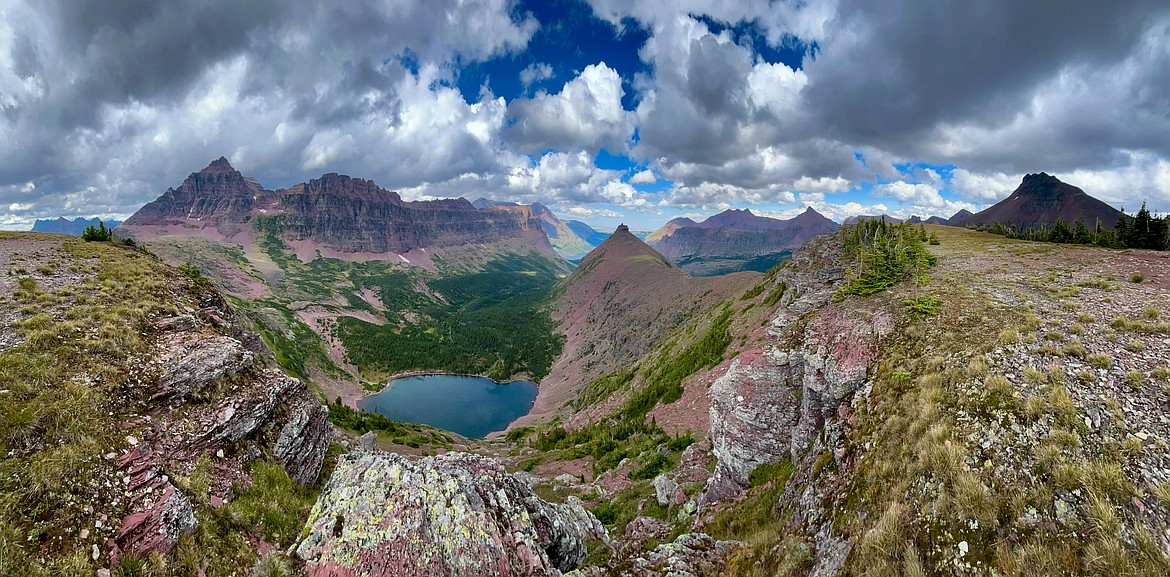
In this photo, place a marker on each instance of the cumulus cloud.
(104, 105)
(535, 72)
(586, 114)
(644, 177)
(991, 187)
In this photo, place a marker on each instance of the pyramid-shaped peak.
(220, 164)
(622, 228)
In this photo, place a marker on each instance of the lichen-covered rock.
(689, 555)
(453, 514)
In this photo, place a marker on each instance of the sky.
(607, 111)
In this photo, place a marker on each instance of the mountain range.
(334, 215)
(72, 227)
(736, 240)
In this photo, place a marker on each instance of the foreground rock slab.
(453, 514)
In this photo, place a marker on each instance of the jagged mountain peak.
(220, 164)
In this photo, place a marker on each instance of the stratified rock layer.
(454, 514)
(213, 402)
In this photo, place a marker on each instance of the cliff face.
(343, 215)
(454, 514)
(770, 406)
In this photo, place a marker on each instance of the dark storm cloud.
(890, 73)
(146, 50)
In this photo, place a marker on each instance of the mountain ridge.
(736, 240)
(334, 215)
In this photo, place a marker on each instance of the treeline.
(879, 254)
(493, 323)
(1143, 230)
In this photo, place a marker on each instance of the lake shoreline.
(442, 403)
(407, 374)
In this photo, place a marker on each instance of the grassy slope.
(66, 388)
(974, 436)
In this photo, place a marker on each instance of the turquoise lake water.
(470, 406)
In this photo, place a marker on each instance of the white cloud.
(823, 184)
(535, 72)
(918, 194)
(586, 114)
(644, 177)
(989, 188)
(583, 211)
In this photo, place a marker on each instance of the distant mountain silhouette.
(74, 227)
(864, 217)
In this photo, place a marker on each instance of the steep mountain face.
(669, 228)
(335, 214)
(71, 227)
(622, 298)
(564, 239)
(734, 239)
(1041, 200)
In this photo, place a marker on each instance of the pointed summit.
(1041, 200)
(219, 165)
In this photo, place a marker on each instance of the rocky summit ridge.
(335, 215)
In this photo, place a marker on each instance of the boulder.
(452, 514)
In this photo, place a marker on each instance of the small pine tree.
(100, 233)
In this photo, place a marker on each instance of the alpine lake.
(470, 406)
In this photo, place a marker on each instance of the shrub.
(1101, 360)
(652, 467)
(924, 306)
(1137, 277)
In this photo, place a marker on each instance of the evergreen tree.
(1081, 233)
(1121, 230)
(1060, 232)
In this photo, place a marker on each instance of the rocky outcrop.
(453, 514)
(689, 555)
(210, 400)
(771, 406)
